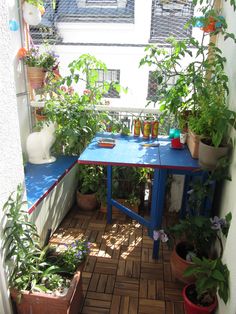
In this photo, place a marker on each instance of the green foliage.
(29, 268)
(35, 58)
(74, 111)
(90, 177)
(37, 3)
(202, 232)
(69, 258)
(201, 87)
(212, 276)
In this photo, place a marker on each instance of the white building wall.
(122, 33)
(11, 167)
(125, 47)
(228, 194)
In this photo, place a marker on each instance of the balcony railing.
(126, 116)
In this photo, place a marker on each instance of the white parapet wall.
(49, 213)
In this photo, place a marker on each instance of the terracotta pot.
(193, 144)
(36, 76)
(38, 303)
(87, 202)
(178, 262)
(39, 115)
(209, 155)
(191, 308)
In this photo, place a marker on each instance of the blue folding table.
(130, 151)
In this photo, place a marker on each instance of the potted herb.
(197, 236)
(89, 179)
(213, 121)
(39, 283)
(211, 278)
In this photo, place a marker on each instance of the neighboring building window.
(153, 87)
(111, 76)
(97, 11)
(100, 2)
(169, 18)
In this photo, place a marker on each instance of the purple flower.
(78, 254)
(217, 223)
(160, 234)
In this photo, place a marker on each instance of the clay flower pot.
(36, 76)
(87, 202)
(193, 144)
(192, 308)
(179, 264)
(38, 303)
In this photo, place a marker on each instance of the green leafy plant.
(201, 232)
(70, 256)
(200, 88)
(73, 108)
(212, 276)
(30, 267)
(89, 178)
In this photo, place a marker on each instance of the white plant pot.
(31, 14)
(209, 155)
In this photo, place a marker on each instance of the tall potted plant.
(41, 280)
(200, 86)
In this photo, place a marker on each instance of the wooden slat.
(115, 304)
(133, 305)
(110, 284)
(151, 306)
(143, 288)
(124, 305)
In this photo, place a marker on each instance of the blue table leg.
(109, 194)
(158, 200)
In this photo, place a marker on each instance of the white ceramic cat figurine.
(39, 143)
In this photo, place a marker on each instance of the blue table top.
(129, 151)
(40, 179)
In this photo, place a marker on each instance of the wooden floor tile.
(120, 276)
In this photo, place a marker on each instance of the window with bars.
(101, 3)
(154, 88)
(110, 76)
(169, 18)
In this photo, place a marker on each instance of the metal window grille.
(110, 76)
(153, 87)
(169, 18)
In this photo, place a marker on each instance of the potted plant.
(213, 122)
(39, 282)
(199, 85)
(211, 278)
(89, 179)
(197, 236)
(38, 64)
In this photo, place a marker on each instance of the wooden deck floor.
(120, 275)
